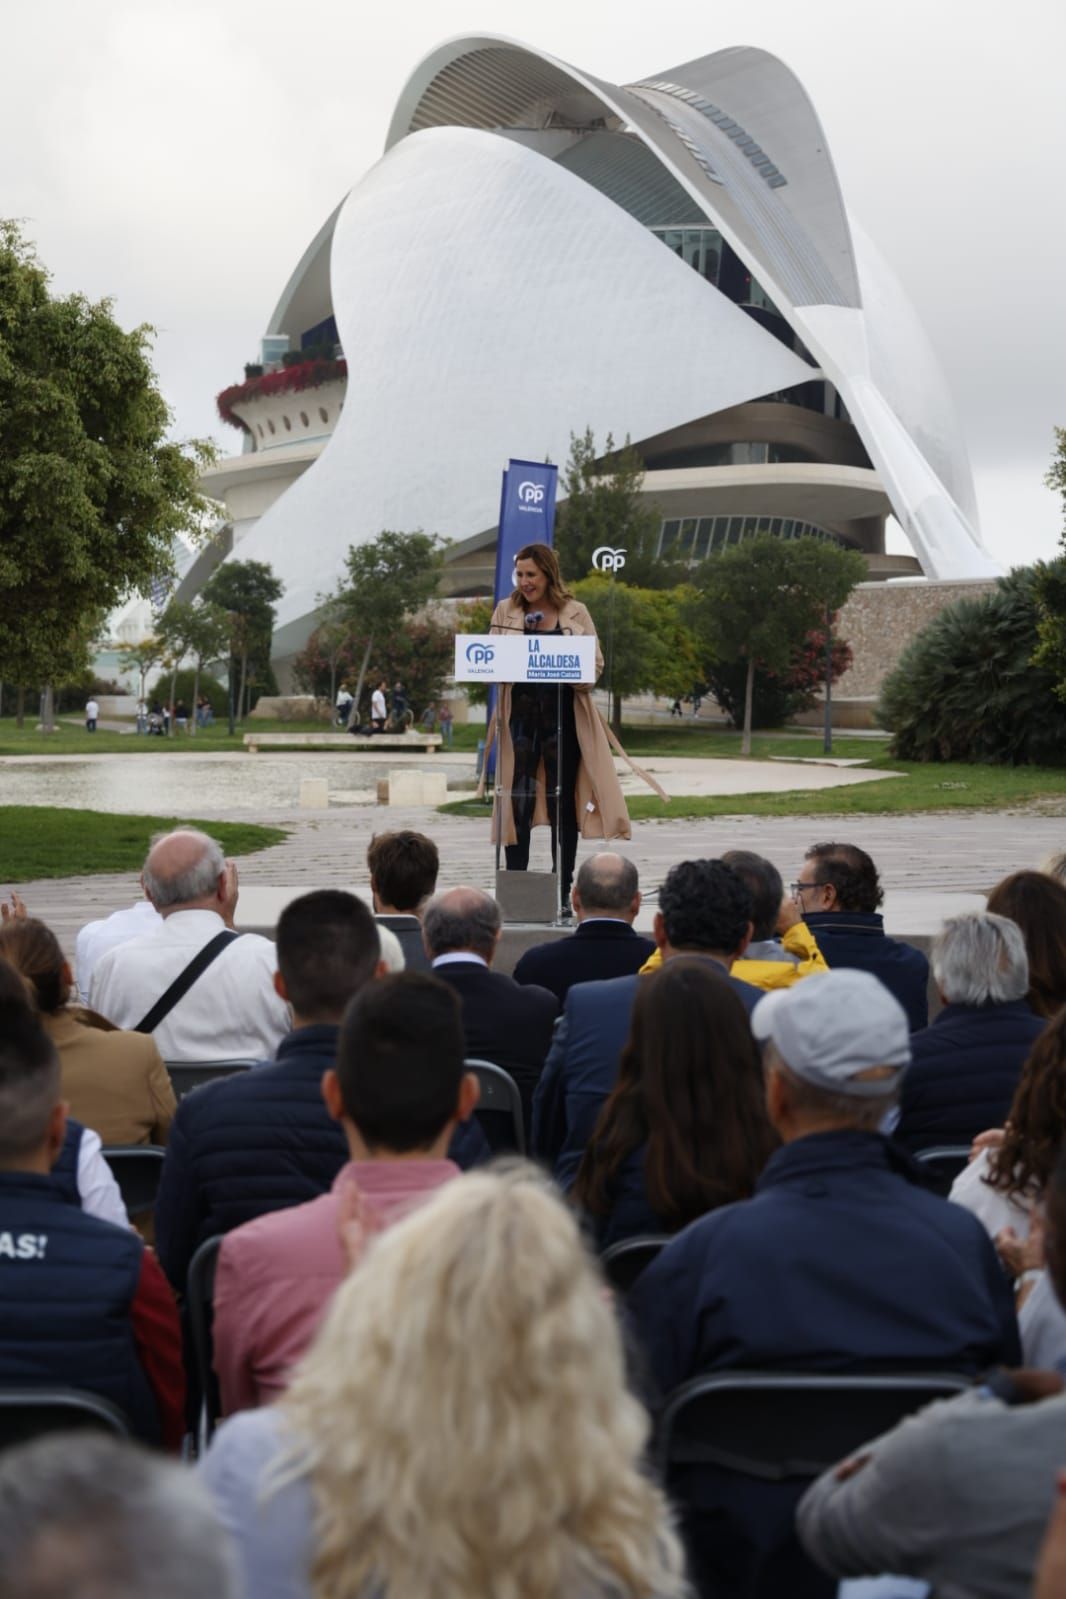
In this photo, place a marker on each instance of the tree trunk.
(193, 723)
(333, 688)
(48, 709)
(232, 728)
(616, 715)
(20, 705)
(244, 680)
(749, 690)
(171, 724)
(353, 714)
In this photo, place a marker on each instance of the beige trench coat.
(601, 809)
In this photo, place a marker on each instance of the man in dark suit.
(705, 908)
(403, 874)
(503, 1021)
(606, 900)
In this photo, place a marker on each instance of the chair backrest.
(623, 1262)
(200, 1309)
(500, 1106)
(945, 1162)
(26, 1413)
(778, 1426)
(185, 1075)
(137, 1169)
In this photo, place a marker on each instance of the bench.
(430, 742)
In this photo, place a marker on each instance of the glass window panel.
(669, 537)
(688, 536)
(703, 538)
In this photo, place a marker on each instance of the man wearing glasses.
(839, 895)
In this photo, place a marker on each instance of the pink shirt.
(276, 1276)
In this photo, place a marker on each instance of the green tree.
(604, 505)
(389, 580)
(140, 658)
(92, 492)
(778, 696)
(475, 617)
(648, 648)
(200, 630)
(247, 592)
(757, 601)
(1050, 585)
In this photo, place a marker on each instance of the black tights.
(533, 740)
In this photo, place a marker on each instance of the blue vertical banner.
(527, 516)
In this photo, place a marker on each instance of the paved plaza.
(929, 864)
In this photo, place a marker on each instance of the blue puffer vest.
(67, 1282)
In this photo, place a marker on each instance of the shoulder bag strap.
(184, 980)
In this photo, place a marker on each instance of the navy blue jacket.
(858, 939)
(964, 1071)
(258, 1141)
(582, 1067)
(630, 1215)
(842, 1262)
(503, 1022)
(67, 1283)
(595, 952)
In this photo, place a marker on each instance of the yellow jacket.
(797, 942)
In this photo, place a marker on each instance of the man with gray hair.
(842, 1261)
(89, 1517)
(503, 1021)
(967, 1062)
(606, 901)
(204, 991)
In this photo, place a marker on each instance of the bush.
(777, 698)
(966, 690)
(210, 689)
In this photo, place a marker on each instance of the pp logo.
(530, 493)
(607, 560)
(480, 654)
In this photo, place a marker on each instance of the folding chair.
(623, 1262)
(200, 1310)
(945, 1162)
(500, 1107)
(185, 1075)
(29, 1412)
(136, 1169)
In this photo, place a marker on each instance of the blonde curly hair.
(463, 1415)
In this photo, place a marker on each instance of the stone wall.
(881, 618)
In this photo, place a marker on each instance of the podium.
(515, 657)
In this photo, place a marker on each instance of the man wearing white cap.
(842, 1260)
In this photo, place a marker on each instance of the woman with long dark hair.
(1037, 904)
(685, 1128)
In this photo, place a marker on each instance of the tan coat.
(114, 1081)
(601, 809)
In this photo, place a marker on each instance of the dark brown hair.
(851, 872)
(1036, 1124)
(403, 868)
(1038, 905)
(33, 950)
(690, 1087)
(545, 558)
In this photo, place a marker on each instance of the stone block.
(527, 896)
(314, 794)
(408, 786)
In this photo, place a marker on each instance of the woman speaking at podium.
(530, 729)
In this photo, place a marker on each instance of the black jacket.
(595, 951)
(858, 939)
(258, 1141)
(504, 1022)
(964, 1071)
(408, 930)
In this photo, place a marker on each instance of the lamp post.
(827, 741)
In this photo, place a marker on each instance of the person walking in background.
(378, 709)
(445, 716)
(344, 704)
(92, 711)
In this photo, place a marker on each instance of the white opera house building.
(539, 252)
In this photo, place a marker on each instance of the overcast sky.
(179, 157)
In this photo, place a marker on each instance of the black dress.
(534, 738)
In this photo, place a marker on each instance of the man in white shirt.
(378, 712)
(96, 938)
(92, 711)
(231, 1009)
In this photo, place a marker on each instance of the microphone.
(533, 620)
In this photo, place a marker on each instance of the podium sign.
(524, 658)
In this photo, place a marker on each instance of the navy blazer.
(503, 1022)
(964, 1071)
(858, 939)
(595, 952)
(582, 1067)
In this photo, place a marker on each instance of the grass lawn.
(46, 841)
(72, 739)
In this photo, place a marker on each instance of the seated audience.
(86, 1516)
(685, 1128)
(782, 949)
(968, 1062)
(403, 874)
(113, 1080)
(262, 1140)
(96, 938)
(705, 910)
(1004, 1181)
(1055, 866)
(460, 1426)
(606, 902)
(398, 1091)
(843, 1260)
(83, 1304)
(503, 1021)
(229, 1007)
(1037, 904)
(959, 1494)
(839, 895)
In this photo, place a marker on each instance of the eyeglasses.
(796, 889)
